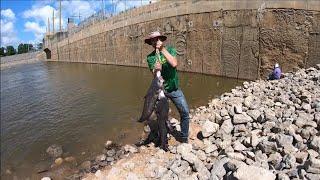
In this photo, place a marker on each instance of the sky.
(26, 21)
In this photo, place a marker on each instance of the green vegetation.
(22, 48)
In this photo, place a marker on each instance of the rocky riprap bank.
(261, 130)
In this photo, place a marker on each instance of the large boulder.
(245, 172)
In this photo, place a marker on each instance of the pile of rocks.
(261, 130)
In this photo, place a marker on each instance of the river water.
(79, 106)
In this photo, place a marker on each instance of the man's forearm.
(171, 59)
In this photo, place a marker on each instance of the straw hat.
(154, 35)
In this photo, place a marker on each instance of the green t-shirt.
(169, 73)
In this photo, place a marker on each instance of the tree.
(21, 49)
(10, 50)
(39, 46)
(2, 51)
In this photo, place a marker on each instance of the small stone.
(110, 159)
(226, 127)
(130, 148)
(255, 115)
(108, 144)
(301, 156)
(54, 150)
(238, 146)
(282, 176)
(98, 174)
(218, 168)
(208, 128)
(46, 178)
(70, 159)
(85, 165)
(210, 148)
(100, 158)
(236, 156)
(224, 113)
(146, 129)
(283, 140)
(241, 118)
(238, 109)
(275, 159)
(58, 161)
(289, 161)
(111, 153)
(315, 143)
(184, 148)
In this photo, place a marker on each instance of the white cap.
(276, 65)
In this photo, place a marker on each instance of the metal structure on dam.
(239, 39)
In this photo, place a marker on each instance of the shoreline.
(270, 128)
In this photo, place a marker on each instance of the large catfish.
(162, 111)
(155, 89)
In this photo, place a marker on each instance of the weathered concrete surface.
(241, 39)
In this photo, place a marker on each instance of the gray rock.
(238, 146)
(110, 159)
(184, 148)
(275, 159)
(267, 146)
(315, 143)
(233, 165)
(111, 153)
(100, 158)
(130, 148)
(255, 115)
(54, 150)
(85, 165)
(289, 161)
(283, 140)
(238, 109)
(240, 128)
(208, 128)
(226, 127)
(301, 156)
(270, 115)
(311, 176)
(224, 112)
(146, 129)
(253, 173)
(108, 144)
(218, 168)
(236, 156)
(210, 148)
(241, 118)
(282, 176)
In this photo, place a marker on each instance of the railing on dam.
(227, 38)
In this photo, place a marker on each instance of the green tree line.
(22, 48)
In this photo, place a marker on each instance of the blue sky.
(25, 21)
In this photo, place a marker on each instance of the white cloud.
(36, 29)
(8, 14)
(8, 33)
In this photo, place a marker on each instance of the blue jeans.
(180, 102)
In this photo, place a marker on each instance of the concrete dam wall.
(239, 39)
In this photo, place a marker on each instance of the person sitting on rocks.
(276, 73)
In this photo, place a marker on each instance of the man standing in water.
(167, 65)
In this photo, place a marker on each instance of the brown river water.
(79, 106)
